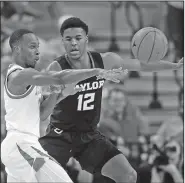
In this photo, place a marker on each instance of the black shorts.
(91, 149)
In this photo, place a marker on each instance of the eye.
(68, 39)
(32, 46)
(78, 38)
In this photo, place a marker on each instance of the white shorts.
(26, 161)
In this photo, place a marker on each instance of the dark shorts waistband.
(72, 130)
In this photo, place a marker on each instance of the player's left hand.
(71, 89)
(180, 63)
(55, 88)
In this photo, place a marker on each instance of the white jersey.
(24, 158)
(22, 111)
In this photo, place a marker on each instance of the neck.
(82, 63)
(18, 61)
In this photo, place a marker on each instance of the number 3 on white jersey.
(84, 101)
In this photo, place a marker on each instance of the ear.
(87, 38)
(62, 40)
(16, 49)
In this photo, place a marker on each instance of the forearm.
(44, 79)
(49, 103)
(136, 65)
(158, 66)
(47, 106)
(74, 76)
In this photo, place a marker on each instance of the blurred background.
(144, 109)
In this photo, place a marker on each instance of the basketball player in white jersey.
(24, 158)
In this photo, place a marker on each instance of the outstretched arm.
(162, 65)
(31, 76)
(113, 60)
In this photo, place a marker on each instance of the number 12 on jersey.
(84, 101)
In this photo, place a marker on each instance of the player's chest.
(87, 99)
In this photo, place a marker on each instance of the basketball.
(149, 45)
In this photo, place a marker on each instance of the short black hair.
(73, 22)
(115, 90)
(17, 35)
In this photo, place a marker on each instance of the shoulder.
(13, 67)
(10, 80)
(54, 66)
(13, 74)
(18, 76)
(58, 59)
(108, 55)
(111, 60)
(13, 71)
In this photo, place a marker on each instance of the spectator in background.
(120, 109)
(168, 130)
(169, 138)
(120, 117)
(54, 8)
(170, 173)
(19, 9)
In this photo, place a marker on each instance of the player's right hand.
(111, 75)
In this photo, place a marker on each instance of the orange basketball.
(149, 45)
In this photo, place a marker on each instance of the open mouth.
(36, 59)
(74, 53)
(74, 50)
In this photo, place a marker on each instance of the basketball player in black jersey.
(72, 131)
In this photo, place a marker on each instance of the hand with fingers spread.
(111, 75)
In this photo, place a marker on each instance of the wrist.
(98, 71)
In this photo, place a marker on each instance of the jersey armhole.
(98, 56)
(8, 74)
(29, 88)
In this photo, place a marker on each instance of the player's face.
(75, 42)
(29, 50)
